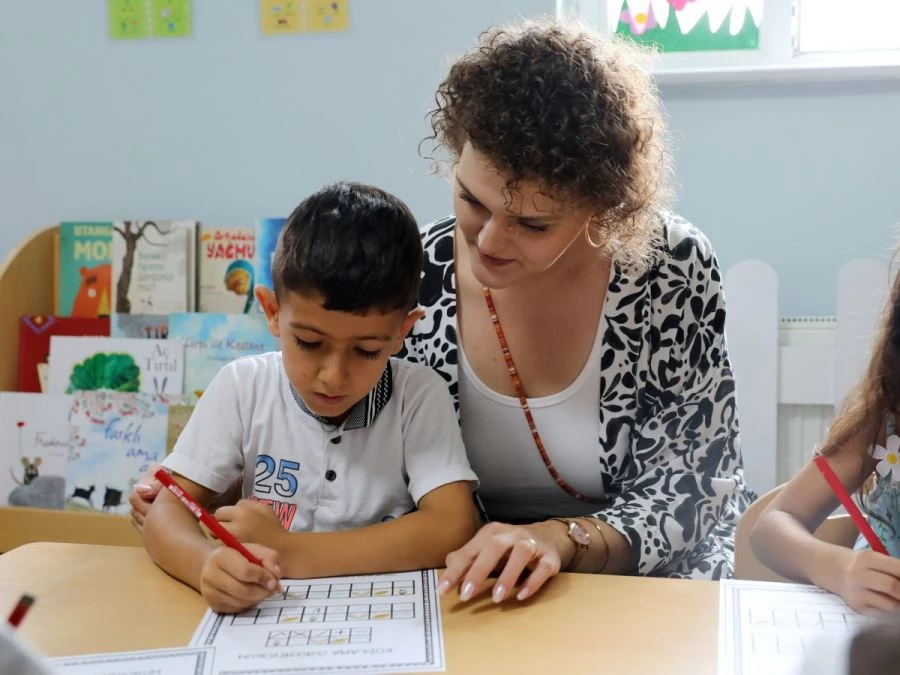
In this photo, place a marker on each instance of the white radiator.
(806, 387)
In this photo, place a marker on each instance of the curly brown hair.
(553, 101)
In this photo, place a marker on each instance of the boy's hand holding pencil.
(231, 584)
(234, 577)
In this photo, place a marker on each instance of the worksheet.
(766, 628)
(181, 661)
(386, 622)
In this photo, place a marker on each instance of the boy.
(351, 462)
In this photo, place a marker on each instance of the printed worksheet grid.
(320, 613)
(304, 638)
(802, 618)
(346, 591)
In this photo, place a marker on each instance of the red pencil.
(835, 483)
(20, 610)
(204, 517)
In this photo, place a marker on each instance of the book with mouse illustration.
(34, 436)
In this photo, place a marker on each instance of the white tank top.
(515, 483)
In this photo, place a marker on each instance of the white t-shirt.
(397, 445)
(516, 484)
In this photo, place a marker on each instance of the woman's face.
(512, 237)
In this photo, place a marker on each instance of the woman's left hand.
(514, 550)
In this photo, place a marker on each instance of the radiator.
(802, 425)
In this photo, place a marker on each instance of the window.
(688, 25)
(733, 40)
(844, 26)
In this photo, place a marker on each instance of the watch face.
(579, 534)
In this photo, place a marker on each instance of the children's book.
(153, 269)
(114, 438)
(225, 269)
(267, 231)
(145, 326)
(85, 257)
(116, 364)
(212, 340)
(34, 344)
(34, 438)
(178, 419)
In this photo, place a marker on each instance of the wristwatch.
(578, 536)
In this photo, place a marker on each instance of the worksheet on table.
(766, 628)
(385, 622)
(179, 661)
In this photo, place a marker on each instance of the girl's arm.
(783, 536)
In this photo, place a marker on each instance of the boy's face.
(333, 359)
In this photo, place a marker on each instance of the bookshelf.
(27, 285)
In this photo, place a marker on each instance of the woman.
(561, 252)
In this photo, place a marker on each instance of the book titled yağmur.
(153, 266)
(84, 269)
(116, 364)
(225, 269)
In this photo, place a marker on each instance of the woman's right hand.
(870, 582)
(142, 496)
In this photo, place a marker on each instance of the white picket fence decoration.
(792, 373)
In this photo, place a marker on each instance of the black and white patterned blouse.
(667, 392)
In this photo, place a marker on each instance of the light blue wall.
(228, 126)
(803, 177)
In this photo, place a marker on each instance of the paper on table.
(384, 622)
(181, 661)
(766, 628)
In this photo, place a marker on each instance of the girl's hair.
(554, 101)
(866, 405)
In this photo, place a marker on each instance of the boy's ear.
(410, 320)
(269, 303)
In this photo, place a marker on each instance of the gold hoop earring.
(591, 242)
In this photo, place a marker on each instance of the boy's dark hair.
(355, 245)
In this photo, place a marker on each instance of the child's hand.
(230, 583)
(870, 582)
(253, 521)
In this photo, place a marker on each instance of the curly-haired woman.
(579, 325)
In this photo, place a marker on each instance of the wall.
(228, 126)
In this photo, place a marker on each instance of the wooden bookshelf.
(27, 286)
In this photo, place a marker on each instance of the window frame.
(775, 61)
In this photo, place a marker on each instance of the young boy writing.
(351, 462)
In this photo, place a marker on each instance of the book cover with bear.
(85, 268)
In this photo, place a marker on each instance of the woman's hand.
(869, 582)
(538, 550)
(142, 496)
(231, 584)
(253, 521)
